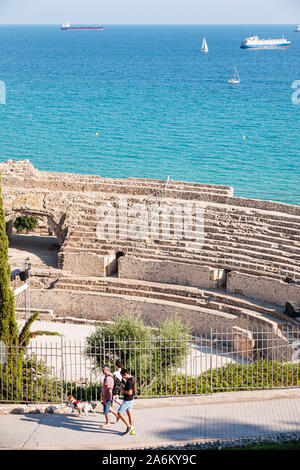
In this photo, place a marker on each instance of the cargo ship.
(68, 27)
(255, 43)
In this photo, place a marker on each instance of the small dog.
(81, 406)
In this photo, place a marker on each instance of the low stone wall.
(22, 175)
(170, 273)
(44, 315)
(34, 408)
(263, 288)
(85, 264)
(105, 307)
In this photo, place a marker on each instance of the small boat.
(236, 78)
(204, 47)
(298, 29)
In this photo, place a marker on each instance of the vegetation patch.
(25, 224)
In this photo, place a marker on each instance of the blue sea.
(160, 107)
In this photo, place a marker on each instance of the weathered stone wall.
(22, 174)
(69, 204)
(88, 264)
(105, 307)
(170, 272)
(264, 288)
(84, 264)
(235, 233)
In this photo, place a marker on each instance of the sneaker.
(132, 431)
(127, 431)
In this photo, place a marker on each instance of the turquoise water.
(160, 107)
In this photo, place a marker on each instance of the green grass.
(280, 446)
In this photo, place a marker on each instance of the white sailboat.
(204, 47)
(236, 78)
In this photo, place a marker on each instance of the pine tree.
(8, 325)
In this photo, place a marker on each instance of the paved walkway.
(161, 422)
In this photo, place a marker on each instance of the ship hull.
(266, 46)
(73, 28)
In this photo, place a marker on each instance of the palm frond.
(25, 332)
(33, 334)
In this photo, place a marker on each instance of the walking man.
(107, 388)
(117, 374)
(127, 402)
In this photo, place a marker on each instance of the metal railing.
(222, 360)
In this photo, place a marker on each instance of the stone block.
(243, 341)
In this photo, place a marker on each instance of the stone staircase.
(213, 300)
(252, 241)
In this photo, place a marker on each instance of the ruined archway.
(41, 246)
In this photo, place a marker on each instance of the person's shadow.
(73, 422)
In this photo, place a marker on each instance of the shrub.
(25, 223)
(259, 375)
(90, 392)
(148, 353)
(24, 377)
(36, 382)
(232, 377)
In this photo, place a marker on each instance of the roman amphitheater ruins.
(154, 248)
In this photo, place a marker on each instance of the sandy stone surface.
(37, 248)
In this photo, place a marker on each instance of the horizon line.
(156, 24)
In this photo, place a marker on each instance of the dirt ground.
(40, 250)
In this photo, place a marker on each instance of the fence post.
(62, 371)
(211, 354)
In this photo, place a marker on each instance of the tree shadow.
(209, 429)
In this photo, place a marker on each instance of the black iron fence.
(226, 360)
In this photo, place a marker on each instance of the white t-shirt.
(117, 374)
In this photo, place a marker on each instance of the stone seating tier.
(208, 299)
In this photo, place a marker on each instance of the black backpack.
(117, 386)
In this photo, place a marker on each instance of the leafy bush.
(10, 376)
(23, 377)
(232, 377)
(25, 223)
(259, 375)
(83, 392)
(148, 353)
(37, 383)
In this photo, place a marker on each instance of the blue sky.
(150, 11)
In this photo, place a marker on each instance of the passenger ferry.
(255, 43)
(68, 27)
